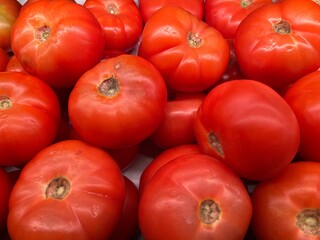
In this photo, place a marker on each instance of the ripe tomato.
(128, 225)
(69, 190)
(226, 15)
(120, 20)
(9, 11)
(248, 126)
(13, 65)
(194, 197)
(5, 190)
(288, 205)
(149, 7)
(118, 103)
(57, 41)
(177, 126)
(304, 98)
(163, 158)
(29, 117)
(277, 45)
(190, 55)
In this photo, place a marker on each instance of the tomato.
(9, 12)
(13, 65)
(149, 7)
(4, 60)
(288, 205)
(177, 126)
(29, 117)
(194, 197)
(124, 157)
(190, 55)
(163, 158)
(57, 41)
(69, 190)
(128, 226)
(5, 190)
(118, 103)
(304, 98)
(248, 126)
(226, 15)
(277, 45)
(121, 22)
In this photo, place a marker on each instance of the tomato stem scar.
(282, 27)
(58, 188)
(43, 33)
(109, 87)
(308, 220)
(209, 211)
(5, 102)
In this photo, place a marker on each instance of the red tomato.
(163, 158)
(69, 190)
(13, 65)
(57, 41)
(248, 126)
(226, 15)
(9, 12)
(288, 205)
(186, 50)
(128, 226)
(120, 20)
(194, 197)
(304, 98)
(118, 103)
(277, 45)
(149, 7)
(4, 60)
(124, 157)
(177, 126)
(5, 190)
(29, 117)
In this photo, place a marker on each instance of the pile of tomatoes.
(222, 96)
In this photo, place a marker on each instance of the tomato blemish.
(5, 102)
(194, 40)
(215, 144)
(308, 220)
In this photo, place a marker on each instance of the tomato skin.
(226, 15)
(90, 209)
(163, 158)
(186, 50)
(277, 58)
(31, 120)
(120, 20)
(303, 96)
(13, 65)
(177, 126)
(65, 45)
(9, 12)
(248, 126)
(4, 59)
(5, 190)
(128, 226)
(134, 108)
(170, 205)
(149, 7)
(278, 201)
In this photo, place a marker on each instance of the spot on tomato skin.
(214, 142)
(5, 102)
(209, 211)
(109, 87)
(308, 220)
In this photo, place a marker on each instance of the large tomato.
(29, 117)
(226, 15)
(57, 41)
(119, 102)
(194, 197)
(120, 20)
(248, 126)
(69, 190)
(9, 12)
(288, 205)
(278, 43)
(5, 190)
(149, 7)
(304, 98)
(177, 126)
(190, 55)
